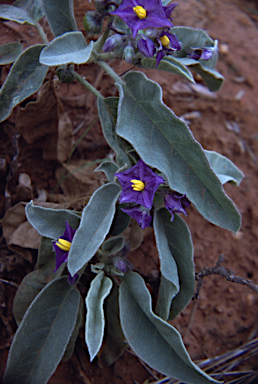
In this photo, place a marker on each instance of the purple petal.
(146, 47)
(159, 56)
(72, 279)
(140, 214)
(68, 233)
(61, 256)
(168, 9)
(139, 171)
(175, 202)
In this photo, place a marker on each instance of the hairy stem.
(110, 71)
(42, 33)
(87, 85)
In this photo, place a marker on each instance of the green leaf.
(212, 78)
(113, 245)
(95, 322)
(114, 342)
(156, 342)
(95, 223)
(25, 78)
(9, 12)
(169, 64)
(197, 38)
(33, 283)
(109, 168)
(224, 168)
(120, 222)
(9, 52)
(71, 47)
(169, 285)
(60, 16)
(180, 244)
(79, 323)
(43, 335)
(33, 7)
(50, 222)
(107, 114)
(165, 142)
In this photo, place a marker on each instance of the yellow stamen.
(137, 185)
(140, 11)
(63, 244)
(164, 41)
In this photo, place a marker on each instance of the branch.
(219, 270)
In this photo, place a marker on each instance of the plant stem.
(103, 38)
(109, 71)
(87, 85)
(42, 33)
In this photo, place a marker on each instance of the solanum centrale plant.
(158, 171)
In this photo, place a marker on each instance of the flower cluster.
(62, 247)
(150, 24)
(139, 185)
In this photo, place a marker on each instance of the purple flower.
(168, 10)
(146, 46)
(175, 202)
(139, 184)
(168, 45)
(142, 14)
(140, 214)
(62, 247)
(200, 53)
(113, 42)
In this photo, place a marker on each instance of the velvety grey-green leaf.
(114, 342)
(113, 245)
(33, 7)
(107, 116)
(169, 64)
(33, 283)
(50, 222)
(191, 38)
(25, 78)
(165, 142)
(9, 52)
(95, 223)
(180, 245)
(169, 285)
(156, 342)
(109, 168)
(9, 12)
(165, 2)
(197, 38)
(71, 47)
(120, 222)
(213, 79)
(46, 255)
(95, 322)
(78, 325)
(43, 335)
(29, 288)
(60, 16)
(224, 168)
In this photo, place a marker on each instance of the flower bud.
(92, 22)
(128, 54)
(146, 47)
(113, 42)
